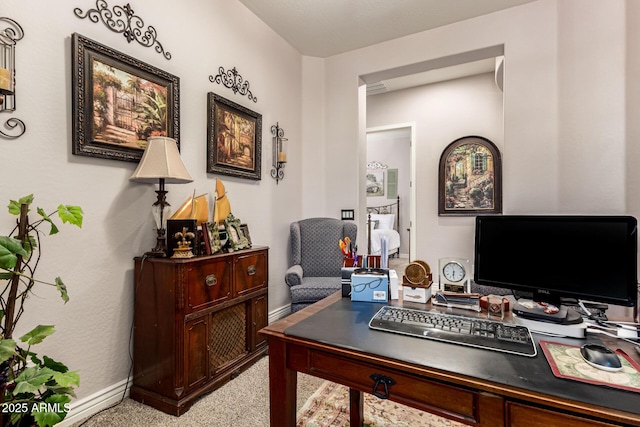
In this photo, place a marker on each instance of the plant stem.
(9, 323)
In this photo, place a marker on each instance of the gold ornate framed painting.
(470, 178)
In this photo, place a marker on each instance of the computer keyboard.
(456, 329)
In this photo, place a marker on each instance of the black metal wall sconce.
(279, 152)
(9, 36)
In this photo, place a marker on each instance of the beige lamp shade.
(161, 160)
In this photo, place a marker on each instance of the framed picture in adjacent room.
(234, 139)
(470, 178)
(118, 102)
(375, 183)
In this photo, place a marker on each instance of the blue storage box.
(370, 285)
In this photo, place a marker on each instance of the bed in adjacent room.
(383, 220)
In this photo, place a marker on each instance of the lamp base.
(155, 253)
(160, 251)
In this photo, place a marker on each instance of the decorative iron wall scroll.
(234, 81)
(122, 19)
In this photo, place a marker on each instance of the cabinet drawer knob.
(211, 280)
(251, 270)
(383, 382)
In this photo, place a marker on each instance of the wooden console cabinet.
(196, 324)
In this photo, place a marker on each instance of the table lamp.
(161, 163)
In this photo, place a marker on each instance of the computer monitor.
(556, 257)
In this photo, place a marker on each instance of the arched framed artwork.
(470, 178)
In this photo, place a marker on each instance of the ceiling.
(323, 28)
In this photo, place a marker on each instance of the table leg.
(356, 404)
(282, 387)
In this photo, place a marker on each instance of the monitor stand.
(566, 322)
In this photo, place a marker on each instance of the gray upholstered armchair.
(316, 259)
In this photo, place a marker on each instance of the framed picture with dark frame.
(234, 139)
(119, 101)
(244, 228)
(470, 178)
(178, 226)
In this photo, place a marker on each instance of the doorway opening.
(390, 158)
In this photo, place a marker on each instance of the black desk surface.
(346, 324)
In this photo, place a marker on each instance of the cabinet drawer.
(208, 283)
(250, 272)
(519, 415)
(443, 399)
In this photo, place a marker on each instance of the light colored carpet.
(244, 401)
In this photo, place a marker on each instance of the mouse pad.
(566, 362)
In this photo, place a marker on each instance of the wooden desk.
(476, 387)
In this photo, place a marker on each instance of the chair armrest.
(294, 275)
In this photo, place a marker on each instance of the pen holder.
(352, 262)
(373, 261)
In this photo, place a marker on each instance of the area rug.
(329, 407)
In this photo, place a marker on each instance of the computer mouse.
(600, 357)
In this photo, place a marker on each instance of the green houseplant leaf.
(37, 334)
(14, 206)
(47, 218)
(63, 290)
(67, 379)
(7, 349)
(32, 379)
(10, 248)
(71, 214)
(52, 364)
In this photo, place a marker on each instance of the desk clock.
(455, 274)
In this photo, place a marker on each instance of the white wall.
(96, 262)
(591, 101)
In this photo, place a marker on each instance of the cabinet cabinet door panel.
(251, 272)
(208, 283)
(260, 319)
(196, 352)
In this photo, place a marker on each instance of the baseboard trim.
(279, 313)
(90, 405)
(110, 396)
